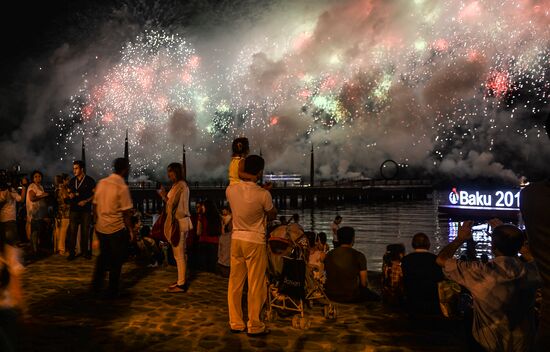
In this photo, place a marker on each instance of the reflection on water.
(378, 225)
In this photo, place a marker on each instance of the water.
(377, 225)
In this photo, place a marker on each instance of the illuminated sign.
(494, 200)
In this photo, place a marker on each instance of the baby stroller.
(288, 283)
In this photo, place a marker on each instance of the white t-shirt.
(36, 210)
(249, 203)
(111, 199)
(8, 212)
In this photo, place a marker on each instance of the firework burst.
(440, 77)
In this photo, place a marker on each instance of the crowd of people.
(82, 215)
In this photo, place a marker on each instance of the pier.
(146, 198)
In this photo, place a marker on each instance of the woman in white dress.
(177, 209)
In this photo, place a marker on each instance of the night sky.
(437, 115)
(31, 31)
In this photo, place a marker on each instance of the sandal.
(259, 334)
(178, 288)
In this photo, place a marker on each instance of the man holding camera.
(8, 211)
(81, 194)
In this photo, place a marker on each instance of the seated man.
(503, 289)
(346, 270)
(420, 277)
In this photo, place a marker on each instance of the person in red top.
(209, 230)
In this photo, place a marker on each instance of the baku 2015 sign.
(495, 200)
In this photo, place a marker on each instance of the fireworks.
(154, 83)
(440, 75)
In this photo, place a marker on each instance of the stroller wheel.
(330, 311)
(271, 315)
(296, 321)
(305, 323)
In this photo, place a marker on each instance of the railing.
(361, 183)
(151, 185)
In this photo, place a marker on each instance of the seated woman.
(315, 264)
(392, 275)
(316, 253)
(150, 248)
(323, 242)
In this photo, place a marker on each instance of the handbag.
(157, 232)
(174, 232)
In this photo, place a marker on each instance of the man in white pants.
(252, 207)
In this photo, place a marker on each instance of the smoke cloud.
(443, 88)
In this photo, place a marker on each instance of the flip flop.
(259, 334)
(177, 289)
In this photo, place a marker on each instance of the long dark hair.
(213, 218)
(240, 146)
(177, 169)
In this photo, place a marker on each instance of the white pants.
(60, 235)
(179, 252)
(248, 261)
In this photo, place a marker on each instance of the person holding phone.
(503, 289)
(177, 205)
(9, 198)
